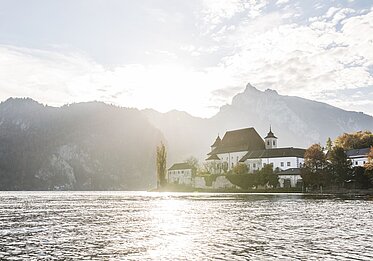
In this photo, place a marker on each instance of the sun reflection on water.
(171, 222)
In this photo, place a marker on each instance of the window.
(264, 164)
(282, 163)
(355, 162)
(254, 165)
(267, 143)
(288, 163)
(364, 162)
(274, 143)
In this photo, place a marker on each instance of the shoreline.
(353, 192)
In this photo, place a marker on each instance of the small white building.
(181, 174)
(358, 157)
(290, 178)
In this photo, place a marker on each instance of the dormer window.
(268, 143)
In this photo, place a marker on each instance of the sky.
(190, 55)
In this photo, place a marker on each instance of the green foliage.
(240, 169)
(339, 166)
(361, 178)
(329, 144)
(263, 177)
(356, 140)
(266, 176)
(244, 181)
(161, 165)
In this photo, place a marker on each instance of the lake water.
(190, 226)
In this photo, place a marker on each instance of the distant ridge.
(295, 121)
(96, 146)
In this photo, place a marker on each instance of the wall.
(220, 182)
(231, 158)
(293, 180)
(359, 162)
(294, 163)
(180, 177)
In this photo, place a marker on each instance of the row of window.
(282, 164)
(356, 162)
(178, 171)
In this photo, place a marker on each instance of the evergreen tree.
(329, 144)
(340, 166)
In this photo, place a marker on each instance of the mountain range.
(297, 122)
(96, 146)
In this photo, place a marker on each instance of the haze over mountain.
(295, 121)
(85, 146)
(94, 145)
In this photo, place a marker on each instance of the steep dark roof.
(270, 134)
(358, 152)
(274, 153)
(217, 142)
(180, 166)
(239, 140)
(291, 171)
(213, 157)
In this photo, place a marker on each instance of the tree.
(193, 162)
(369, 166)
(161, 165)
(329, 144)
(240, 168)
(211, 167)
(356, 140)
(314, 170)
(314, 158)
(266, 176)
(340, 165)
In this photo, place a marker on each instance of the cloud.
(56, 79)
(331, 52)
(202, 57)
(215, 12)
(281, 2)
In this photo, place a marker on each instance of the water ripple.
(153, 226)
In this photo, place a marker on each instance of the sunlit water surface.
(156, 226)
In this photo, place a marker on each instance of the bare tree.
(161, 165)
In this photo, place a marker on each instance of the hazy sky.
(186, 54)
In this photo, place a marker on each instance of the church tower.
(270, 140)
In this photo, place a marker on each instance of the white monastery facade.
(243, 146)
(358, 157)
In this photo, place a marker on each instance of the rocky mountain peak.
(250, 89)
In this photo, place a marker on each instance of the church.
(246, 146)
